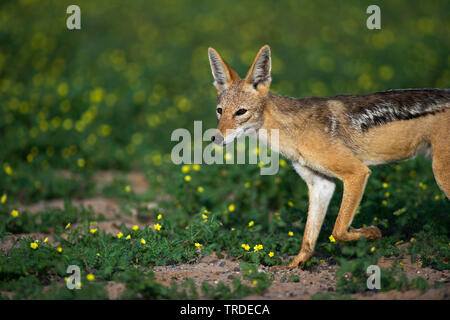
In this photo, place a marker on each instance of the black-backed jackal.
(337, 137)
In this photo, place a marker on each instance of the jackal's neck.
(284, 113)
(288, 117)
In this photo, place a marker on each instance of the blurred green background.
(109, 95)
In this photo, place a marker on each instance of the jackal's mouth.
(242, 131)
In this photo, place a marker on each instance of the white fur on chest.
(315, 166)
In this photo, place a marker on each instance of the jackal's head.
(240, 102)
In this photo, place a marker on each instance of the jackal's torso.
(377, 128)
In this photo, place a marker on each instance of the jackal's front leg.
(321, 190)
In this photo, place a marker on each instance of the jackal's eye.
(219, 110)
(241, 111)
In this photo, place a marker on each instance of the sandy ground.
(319, 280)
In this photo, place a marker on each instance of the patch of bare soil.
(215, 270)
(115, 290)
(6, 243)
(109, 208)
(137, 180)
(319, 280)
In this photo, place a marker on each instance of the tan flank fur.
(336, 137)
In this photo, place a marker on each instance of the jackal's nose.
(217, 139)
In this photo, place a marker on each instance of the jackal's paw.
(291, 266)
(278, 268)
(370, 232)
(297, 264)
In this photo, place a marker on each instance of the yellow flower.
(375, 219)
(332, 238)
(14, 213)
(157, 226)
(59, 249)
(62, 89)
(81, 162)
(271, 254)
(120, 235)
(246, 247)
(422, 186)
(206, 211)
(251, 223)
(196, 167)
(399, 242)
(384, 203)
(159, 217)
(435, 198)
(46, 240)
(5, 197)
(372, 249)
(8, 170)
(255, 282)
(143, 241)
(258, 247)
(247, 185)
(198, 245)
(412, 240)
(282, 163)
(128, 237)
(290, 204)
(187, 178)
(384, 185)
(34, 245)
(232, 229)
(204, 216)
(231, 207)
(200, 189)
(127, 188)
(291, 234)
(135, 228)
(90, 277)
(92, 231)
(67, 226)
(186, 168)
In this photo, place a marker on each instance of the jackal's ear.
(223, 74)
(259, 74)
